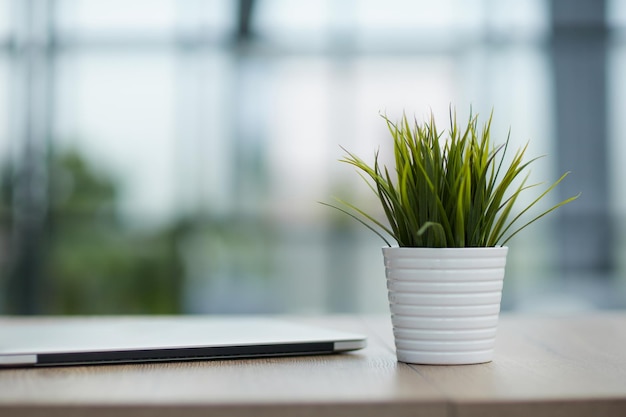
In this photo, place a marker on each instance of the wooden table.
(544, 366)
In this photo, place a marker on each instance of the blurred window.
(183, 161)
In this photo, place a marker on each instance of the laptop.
(34, 342)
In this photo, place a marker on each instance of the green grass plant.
(448, 190)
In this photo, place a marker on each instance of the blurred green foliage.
(93, 263)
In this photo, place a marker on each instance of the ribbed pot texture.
(445, 303)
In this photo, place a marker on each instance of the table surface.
(543, 366)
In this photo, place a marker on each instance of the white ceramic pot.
(445, 303)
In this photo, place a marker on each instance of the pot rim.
(446, 248)
(482, 250)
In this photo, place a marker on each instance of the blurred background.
(161, 156)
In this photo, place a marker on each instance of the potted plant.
(451, 206)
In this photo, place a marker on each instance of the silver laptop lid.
(99, 340)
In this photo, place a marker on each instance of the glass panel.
(294, 23)
(114, 170)
(123, 18)
(118, 110)
(420, 23)
(511, 18)
(115, 16)
(203, 127)
(206, 17)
